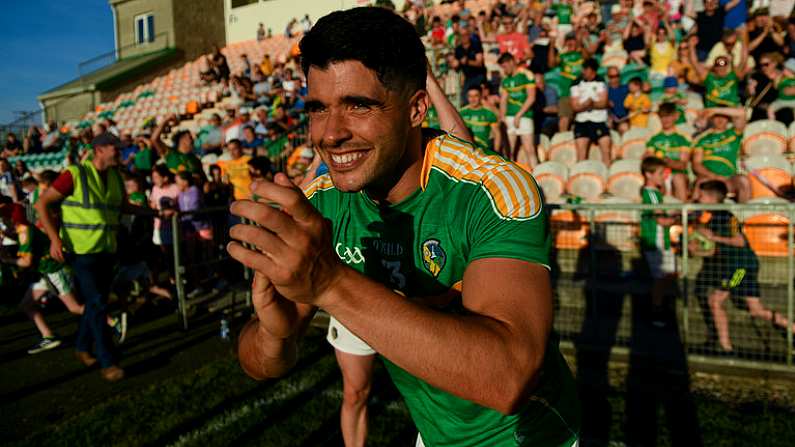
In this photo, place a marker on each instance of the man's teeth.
(347, 158)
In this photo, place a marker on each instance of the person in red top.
(512, 41)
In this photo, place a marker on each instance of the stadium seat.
(615, 59)
(552, 177)
(543, 148)
(686, 129)
(766, 231)
(655, 125)
(625, 180)
(587, 179)
(767, 174)
(562, 149)
(764, 137)
(569, 229)
(633, 143)
(617, 228)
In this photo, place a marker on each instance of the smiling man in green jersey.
(673, 148)
(416, 212)
(517, 95)
(716, 152)
(481, 121)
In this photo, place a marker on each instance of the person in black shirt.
(761, 87)
(764, 35)
(730, 268)
(470, 59)
(709, 28)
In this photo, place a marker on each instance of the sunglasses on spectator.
(767, 64)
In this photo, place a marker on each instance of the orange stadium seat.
(587, 179)
(767, 234)
(625, 180)
(767, 174)
(562, 150)
(551, 176)
(765, 137)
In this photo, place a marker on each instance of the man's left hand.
(292, 245)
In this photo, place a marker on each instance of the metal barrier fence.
(601, 280)
(603, 285)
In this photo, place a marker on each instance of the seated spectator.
(708, 29)
(8, 183)
(470, 58)
(673, 149)
(512, 41)
(589, 103)
(260, 168)
(762, 87)
(12, 146)
(33, 140)
(682, 68)
(210, 137)
(616, 95)
(721, 83)
(21, 169)
(266, 66)
(251, 142)
(638, 104)
(717, 151)
(235, 169)
(735, 50)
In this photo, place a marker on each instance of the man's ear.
(419, 104)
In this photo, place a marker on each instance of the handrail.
(116, 54)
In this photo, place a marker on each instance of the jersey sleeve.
(506, 218)
(64, 184)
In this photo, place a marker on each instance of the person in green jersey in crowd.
(481, 121)
(673, 148)
(145, 158)
(407, 211)
(716, 152)
(730, 267)
(570, 61)
(721, 83)
(180, 157)
(517, 95)
(672, 94)
(564, 10)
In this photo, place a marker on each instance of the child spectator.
(655, 240)
(672, 94)
(638, 104)
(673, 148)
(730, 268)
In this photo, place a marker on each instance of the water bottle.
(224, 328)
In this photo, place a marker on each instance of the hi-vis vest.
(90, 216)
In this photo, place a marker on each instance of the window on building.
(144, 28)
(239, 3)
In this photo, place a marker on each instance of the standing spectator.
(306, 24)
(21, 169)
(709, 25)
(564, 10)
(180, 156)
(736, 51)
(571, 63)
(789, 38)
(235, 170)
(662, 51)
(545, 108)
(589, 102)
(682, 68)
(470, 59)
(517, 94)
(512, 41)
(616, 94)
(164, 195)
(765, 36)
(8, 183)
(763, 86)
(32, 143)
(736, 13)
(266, 65)
(721, 84)
(673, 149)
(261, 32)
(128, 150)
(144, 158)
(12, 147)
(638, 104)
(635, 41)
(717, 152)
(89, 242)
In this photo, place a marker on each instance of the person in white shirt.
(589, 103)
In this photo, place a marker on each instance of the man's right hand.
(56, 250)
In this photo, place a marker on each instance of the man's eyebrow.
(311, 103)
(359, 99)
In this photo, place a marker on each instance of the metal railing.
(602, 285)
(601, 282)
(158, 42)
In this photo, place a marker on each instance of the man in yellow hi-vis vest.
(91, 195)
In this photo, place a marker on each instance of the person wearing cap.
(672, 94)
(91, 195)
(717, 152)
(570, 62)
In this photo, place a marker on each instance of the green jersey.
(570, 69)
(675, 98)
(468, 206)
(784, 84)
(721, 150)
(670, 145)
(516, 88)
(563, 11)
(652, 235)
(143, 160)
(33, 243)
(178, 162)
(722, 92)
(480, 121)
(432, 118)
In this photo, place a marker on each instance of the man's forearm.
(263, 356)
(477, 358)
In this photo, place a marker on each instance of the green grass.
(218, 405)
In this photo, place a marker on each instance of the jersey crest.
(433, 256)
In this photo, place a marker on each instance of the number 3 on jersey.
(396, 278)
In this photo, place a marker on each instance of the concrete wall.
(242, 22)
(68, 108)
(127, 10)
(198, 25)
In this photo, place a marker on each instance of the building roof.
(110, 75)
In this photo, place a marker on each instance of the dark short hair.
(47, 176)
(716, 187)
(234, 141)
(636, 80)
(261, 164)
(475, 87)
(378, 38)
(651, 164)
(666, 109)
(186, 176)
(505, 57)
(591, 63)
(163, 171)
